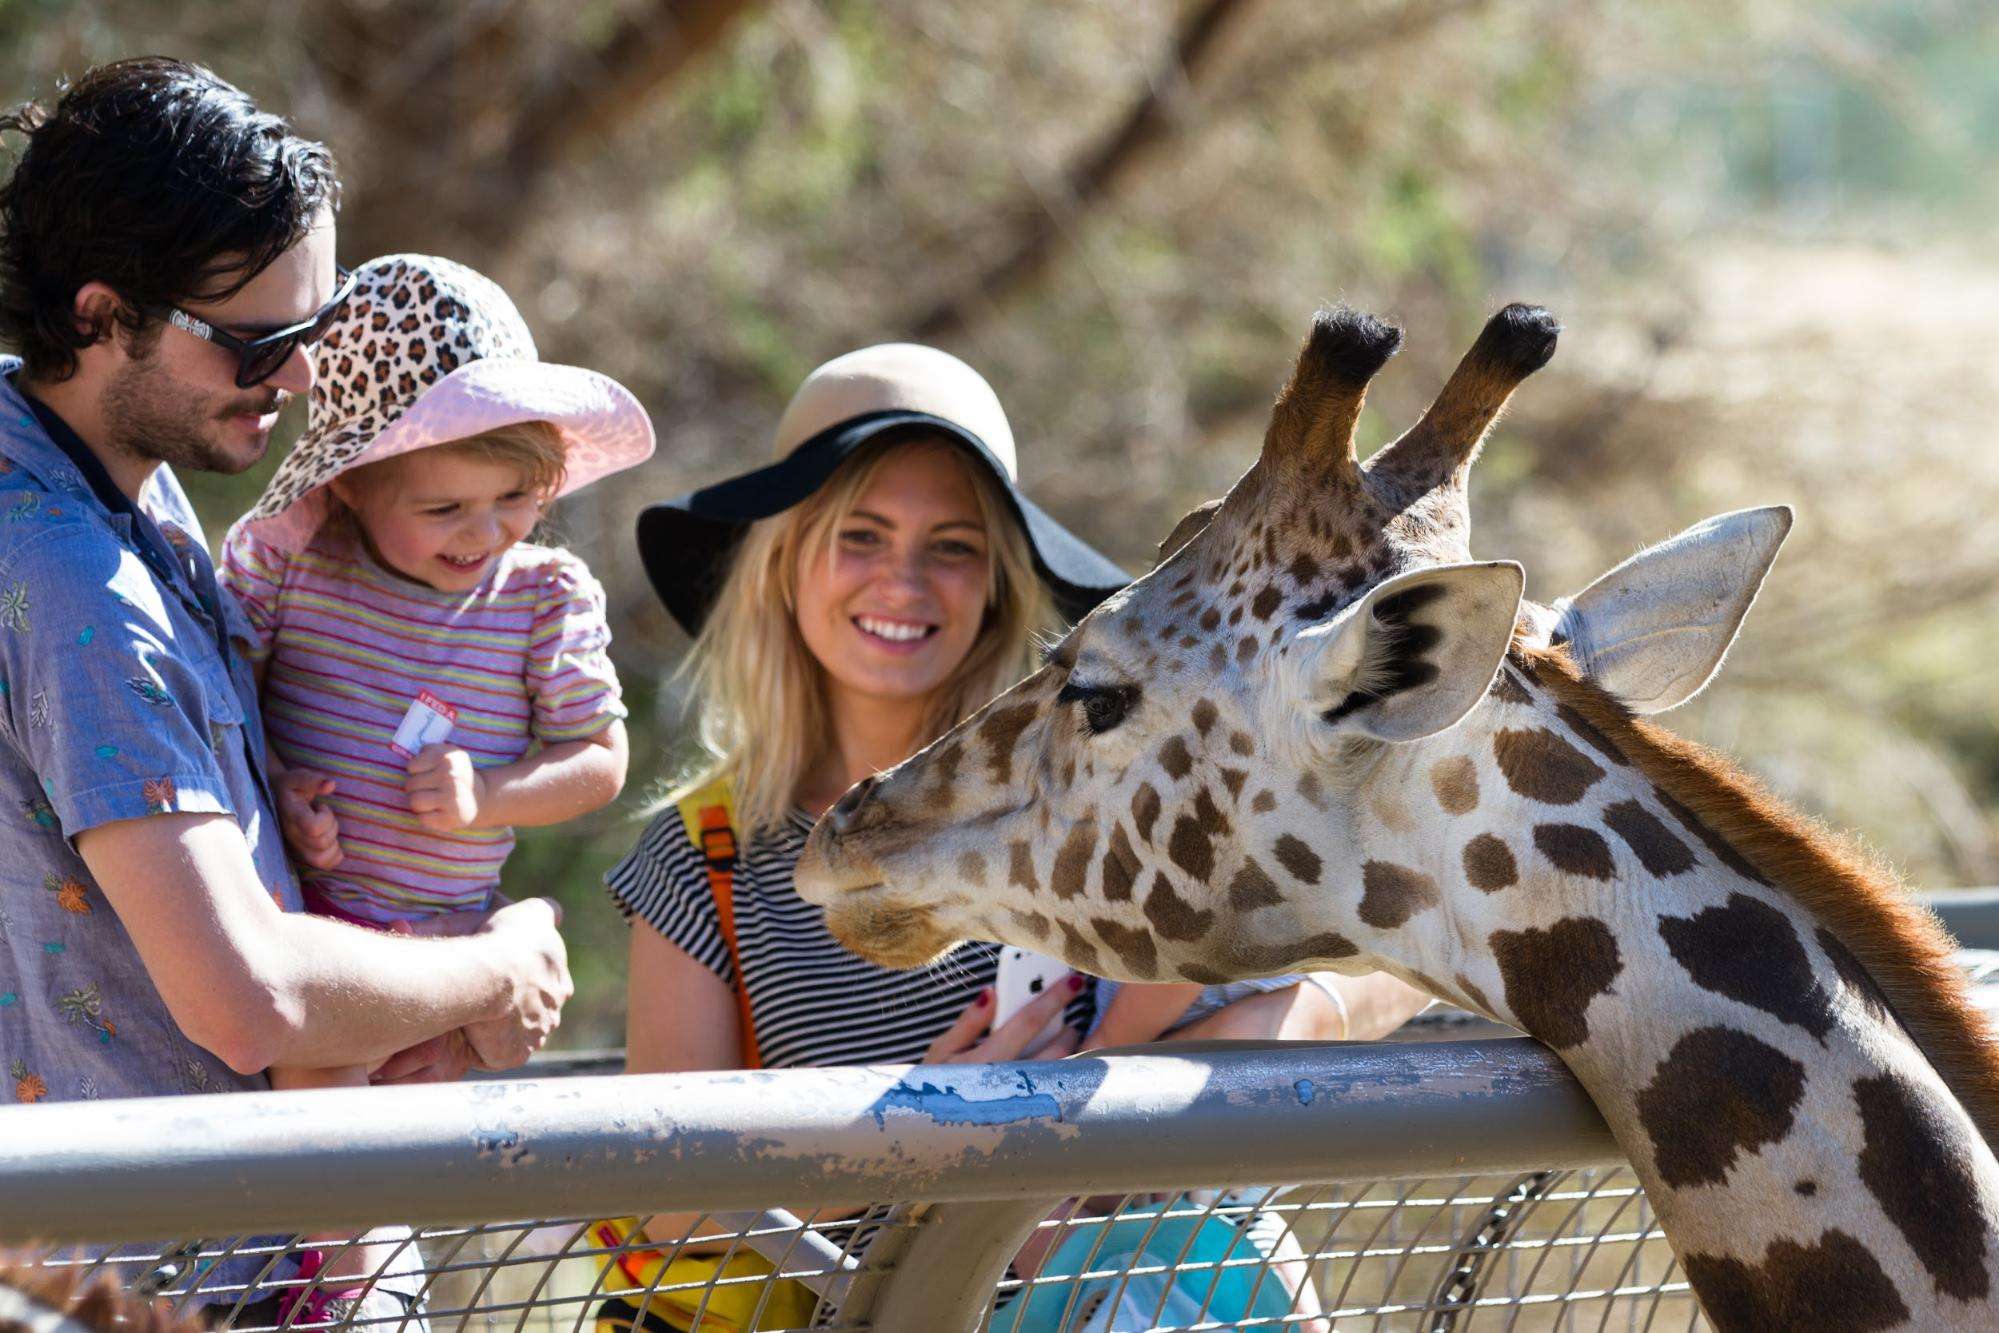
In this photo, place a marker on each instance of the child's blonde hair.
(758, 698)
(534, 447)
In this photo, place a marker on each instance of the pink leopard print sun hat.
(425, 352)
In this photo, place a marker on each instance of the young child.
(429, 678)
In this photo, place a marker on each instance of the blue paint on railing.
(949, 1107)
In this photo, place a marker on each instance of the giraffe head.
(1175, 793)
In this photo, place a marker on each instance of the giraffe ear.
(1653, 631)
(1413, 656)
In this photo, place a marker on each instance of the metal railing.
(1431, 1185)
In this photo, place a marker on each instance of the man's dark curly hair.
(156, 178)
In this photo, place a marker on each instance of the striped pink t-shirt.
(346, 646)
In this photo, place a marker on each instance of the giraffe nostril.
(849, 805)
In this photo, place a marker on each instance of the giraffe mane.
(77, 1304)
(1897, 941)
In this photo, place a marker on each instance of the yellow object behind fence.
(692, 1293)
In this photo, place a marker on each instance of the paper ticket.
(428, 722)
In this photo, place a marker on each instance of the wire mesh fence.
(1560, 1250)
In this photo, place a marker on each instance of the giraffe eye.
(1104, 706)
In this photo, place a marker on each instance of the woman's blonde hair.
(534, 447)
(758, 694)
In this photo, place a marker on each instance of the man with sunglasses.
(166, 251)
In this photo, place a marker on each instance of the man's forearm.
(258, 986)
(342, 995)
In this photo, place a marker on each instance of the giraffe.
(1320, 735)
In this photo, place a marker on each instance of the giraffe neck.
(1809, 1163)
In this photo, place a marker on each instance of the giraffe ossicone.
(1320, 735)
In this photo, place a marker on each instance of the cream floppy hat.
(850, 401)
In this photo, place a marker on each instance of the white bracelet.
(1325, 982)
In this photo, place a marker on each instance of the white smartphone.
(1023, 975)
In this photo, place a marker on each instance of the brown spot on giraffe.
(1205, 715)
(1489, 865)
(1269, 960)
(1264, 802)
(1233, 779)
(1552, 975)
(1211, 619)
(1855, 978)
(1391, 894)
(1749, 952)
(1717, 846)
(1120, 866)
(1020, 866)
(1192, 847)
(1309, 788)
(1542, 766)
(1144, 811)
(1653, 843)
(1718, 1093)
(1133, 946)
(972, 869)
(1218, 659)
(1507, 689)
(1300, 861)
(1303, 568)
(1473, 993)
(1242, 743)
(1922, 1184)
(1173, 916)
(949, 757)
(1001, 733)
(1251, 887)
(1266, 601)
(1072, 859)
(1575, 850)
(1032, 922)
(1835, 1283)
(1586, 729)
(1174, 758)
(1246, 648)
(1078, 952)
(1455, 781)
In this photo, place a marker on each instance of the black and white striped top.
(812, 1002)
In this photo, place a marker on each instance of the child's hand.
(311, 830)
(445, 791)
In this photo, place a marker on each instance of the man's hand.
(445, 790)
(534, 960)
(311, 830)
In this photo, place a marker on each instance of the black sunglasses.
(259, 358)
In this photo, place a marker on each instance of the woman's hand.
(962, 1044)
(311, 830)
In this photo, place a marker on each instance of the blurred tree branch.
(478, 98)
(1146, 127)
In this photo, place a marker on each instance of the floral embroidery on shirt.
(27, 1087)
(159, 794)
(86, 1088)
(14, 607)
(38, 709)
(72, 895)
(86, 1007)
(149, 689)
(85, 635)
(39, 812)
(25, 505)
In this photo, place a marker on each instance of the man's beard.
(150, 415)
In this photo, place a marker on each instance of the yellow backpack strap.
(709, 816)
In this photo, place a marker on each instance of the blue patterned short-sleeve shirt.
(118, 700)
